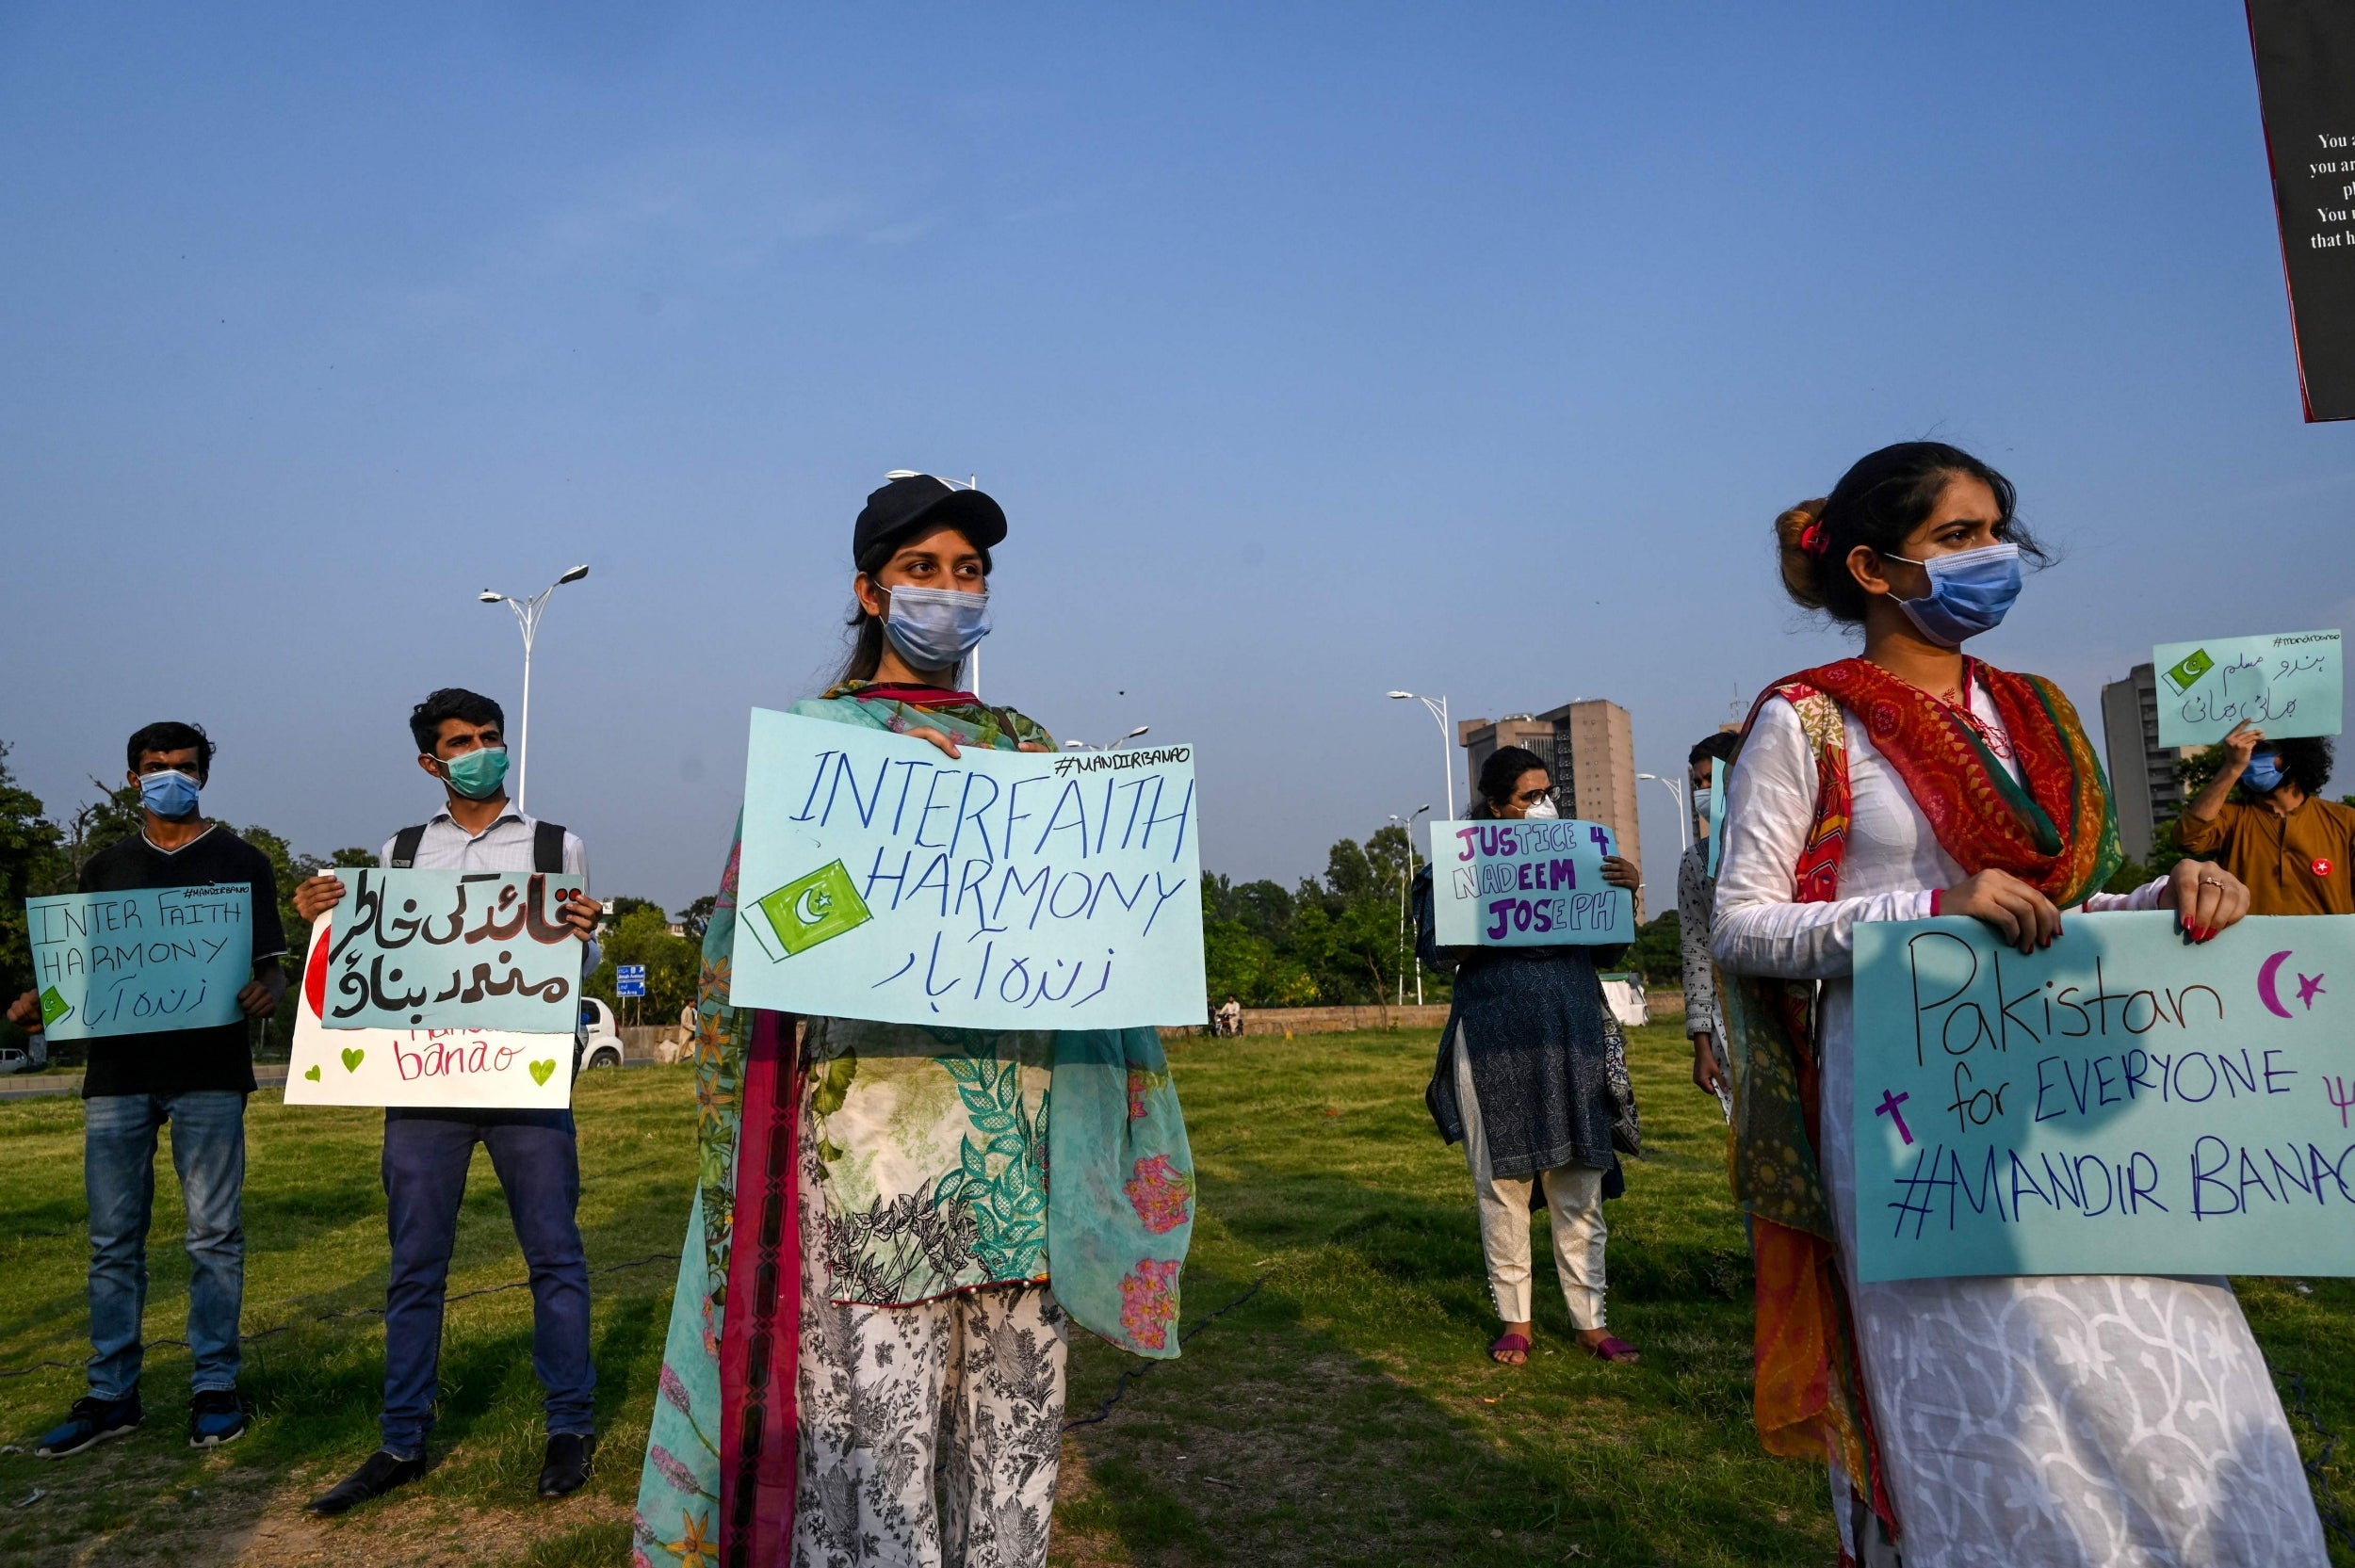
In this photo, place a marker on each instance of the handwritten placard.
(881, 878)
(2124, 1101)
(136, 961)
(1532, 884)
(453, 949)
(2291, 684)
(459, 1069)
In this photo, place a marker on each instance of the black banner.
(2305, 52)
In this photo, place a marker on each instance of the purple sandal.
(1506, 1346)
(1612, 1348)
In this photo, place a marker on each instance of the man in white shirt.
(461, 738)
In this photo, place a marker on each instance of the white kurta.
(2081, 1421)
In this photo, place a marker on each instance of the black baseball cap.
(919, 500)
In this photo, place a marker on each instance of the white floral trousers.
(931, 1434)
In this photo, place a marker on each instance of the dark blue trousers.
(538, 1161)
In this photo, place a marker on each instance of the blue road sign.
(629, 979)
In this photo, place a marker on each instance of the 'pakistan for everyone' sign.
(2288, 684)
(1534, 883)
(453, 949)
(881, 878)
(153, 958)
(2123, 1102)
(467, 1068)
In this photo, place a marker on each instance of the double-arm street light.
(1437, 708)
(1083, 746)
(528, 613)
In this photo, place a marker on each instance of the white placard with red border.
(448, 1069)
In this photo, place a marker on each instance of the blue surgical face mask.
(1701, 796)
(1970, 590)
(2263, 772)
(479, 773)
(935, 628)
(171, 796)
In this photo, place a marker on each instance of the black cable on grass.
(349, 1312)
(1133, 1374)
(2334, 1518)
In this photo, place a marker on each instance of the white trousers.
(1573, 1203)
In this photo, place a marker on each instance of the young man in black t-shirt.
(196, 1079)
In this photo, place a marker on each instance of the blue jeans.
(118, 1175)
(538, 1161)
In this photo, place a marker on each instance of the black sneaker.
(216, 1415)
(379, 1474)
(565, 1470)
(91, 1422)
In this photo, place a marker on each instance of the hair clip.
(1813, 540)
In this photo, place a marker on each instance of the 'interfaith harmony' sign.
(881, 878)
(474, 1069)
(2287, 684)
(2123, 1102)
(453, 949)
(1533, 882)
(141, 961)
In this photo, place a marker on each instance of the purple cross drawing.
(1889, 1107)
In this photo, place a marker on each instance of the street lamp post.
(1406, 877)
(1438, 709)
(1083, 746)
(1684, 818)
(528, 612)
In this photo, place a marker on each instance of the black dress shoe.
(566, 1468)
(379, 1475)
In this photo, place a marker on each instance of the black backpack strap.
(405, 847)
(548, 848)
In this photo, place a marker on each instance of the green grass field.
(1346, 1413)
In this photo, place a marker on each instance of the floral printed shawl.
(2056, 833)
(718, 1476)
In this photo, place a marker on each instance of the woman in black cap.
(910, 1166)
(1523, 1080)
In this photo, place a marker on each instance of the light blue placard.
(2122, 1102)
(453, 949)
(881, 878)
(2289, 685)
(134, 962)
(1531, 884)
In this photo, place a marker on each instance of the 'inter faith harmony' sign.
(882, 879)
(2123, 1102)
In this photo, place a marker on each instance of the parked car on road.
(601, 1038)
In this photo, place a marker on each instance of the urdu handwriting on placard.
(495, 931)
(2288, 684)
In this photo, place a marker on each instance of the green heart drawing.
(314, 1073)
(353, 1057)
(540, 1071)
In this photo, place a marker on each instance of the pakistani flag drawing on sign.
(810, 909)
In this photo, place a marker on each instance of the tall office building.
(1590, 747)
(2144, 787)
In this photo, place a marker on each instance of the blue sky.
(1313, 351)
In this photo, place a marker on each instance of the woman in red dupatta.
(2086, 1420)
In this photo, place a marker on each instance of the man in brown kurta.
(2291, 846)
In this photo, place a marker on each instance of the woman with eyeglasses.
(865, 1355)
(1524, 1082)
(2097, 1421)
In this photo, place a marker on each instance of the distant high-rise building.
(2145, 788)
(1589, 746)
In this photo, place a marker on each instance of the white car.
(601, 1037)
